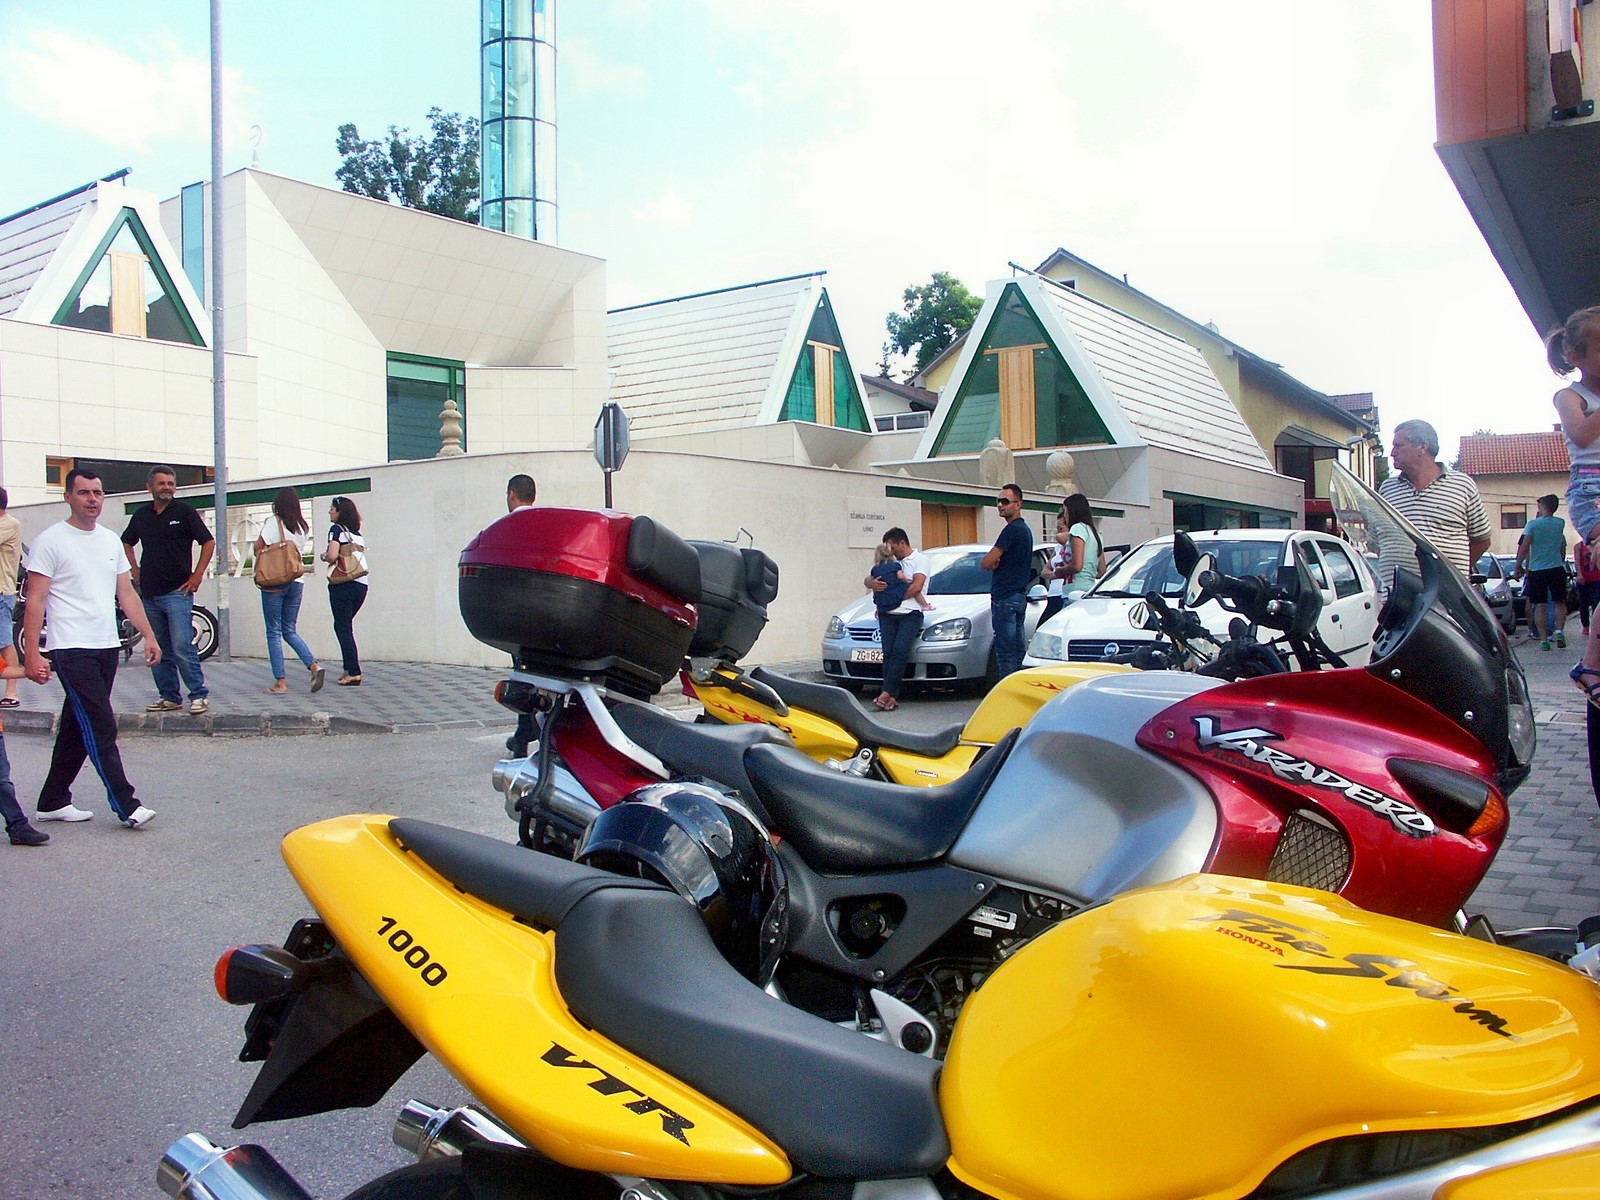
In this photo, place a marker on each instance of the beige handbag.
(352, 563)
(278, 564)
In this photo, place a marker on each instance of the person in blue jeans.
(1011, 560)
(346, 593)
(18, 828)
(897, 582)
(167, 578)
(280, 607)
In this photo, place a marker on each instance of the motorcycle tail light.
(251, 974)
(515, 695)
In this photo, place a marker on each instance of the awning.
(1297, 435)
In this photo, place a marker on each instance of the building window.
(1513, 516)
(1020, 390)
(126, 290)
(916, 419)
(823, 388)
(417, 390)
(55, 472)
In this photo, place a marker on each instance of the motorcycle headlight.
(957, 630)
(1047, 645)
(1519, 717)
(835, 630)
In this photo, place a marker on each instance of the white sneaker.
(70, 812)
(140, 817)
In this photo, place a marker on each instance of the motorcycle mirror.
(1141, 617)
(1194, 594)
(1185, 554)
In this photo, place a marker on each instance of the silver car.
(957, 642)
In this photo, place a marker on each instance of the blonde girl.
(1576, 347)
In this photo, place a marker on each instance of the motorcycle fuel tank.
(1079, 810)
(1187, 1039)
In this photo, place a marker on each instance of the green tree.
(933, 316)
(436, 172)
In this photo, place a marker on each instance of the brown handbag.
(352, 563)
(278, 564)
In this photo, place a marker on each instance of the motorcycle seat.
(642, 970)
(845, 711)
(635, 962)
(537, 888)
(844, 823)
(714, 751)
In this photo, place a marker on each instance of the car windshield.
(1508, 564)
(1150, 567)
(956, 573)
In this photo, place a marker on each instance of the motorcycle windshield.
(1436, 640)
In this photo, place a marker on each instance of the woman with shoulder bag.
(280, 605)
(346, 555)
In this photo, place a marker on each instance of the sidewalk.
(392, 698)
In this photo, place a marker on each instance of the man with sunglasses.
(1011, 561)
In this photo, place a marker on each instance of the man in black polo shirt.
(167, 580)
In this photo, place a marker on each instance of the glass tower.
(519, 117)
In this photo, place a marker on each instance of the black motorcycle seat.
(537, 888)
(843, 823)
(845, 711)
(714, 751)
(642, 970)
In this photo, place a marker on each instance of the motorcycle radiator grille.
(1310, 853)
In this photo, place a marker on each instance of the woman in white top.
(280, 607)
(1083, 551)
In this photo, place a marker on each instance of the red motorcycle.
(1386, 783)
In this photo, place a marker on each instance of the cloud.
(135, 99)
(669, 208)
(585, 71)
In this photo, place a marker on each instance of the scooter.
(1208, 1037)
(1387, 784)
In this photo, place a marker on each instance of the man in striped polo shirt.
(1444, 505)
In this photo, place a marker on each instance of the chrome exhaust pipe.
(430, 1132)
(196, 1168)
(567, 803)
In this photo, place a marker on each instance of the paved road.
(114, 1043)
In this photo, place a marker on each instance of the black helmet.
(714, 852)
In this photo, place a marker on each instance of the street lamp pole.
(219, 408)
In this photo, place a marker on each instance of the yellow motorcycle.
(1210, 1038)
(828, 724)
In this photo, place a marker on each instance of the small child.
(17, 826)
(886, 566)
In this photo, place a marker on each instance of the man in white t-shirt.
(77, 573)
(900, 626)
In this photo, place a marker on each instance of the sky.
(1263, 166)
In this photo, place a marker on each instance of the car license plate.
(866, 656)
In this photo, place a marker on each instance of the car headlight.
(957, 630)
(1047, 645)
(835, 630)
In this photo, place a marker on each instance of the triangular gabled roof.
(1145, 385)
(713, 360)
(29, 239)
(82, 226)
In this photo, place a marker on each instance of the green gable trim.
(1062, 411)
(129, 219)
(238, 498)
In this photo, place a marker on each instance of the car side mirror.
(1038, 592)
(1194, 592)
(1477, 579)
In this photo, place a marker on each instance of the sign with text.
(869, 519)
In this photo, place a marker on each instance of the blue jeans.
(279, 611)
(172, 618)
(8, 615)
(10, 811)
(1006, 613)
(898, 633)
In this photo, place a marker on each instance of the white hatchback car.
(1099, 624)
